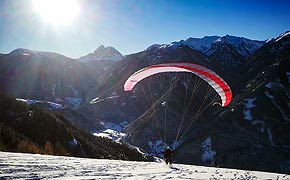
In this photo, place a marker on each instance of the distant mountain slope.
(33, 130)
(51, 80)
(45, 76)
(99, 68)
(226, 55)
(103, 53)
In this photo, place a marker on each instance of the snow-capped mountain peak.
(154, 46)
(287, 33)
(103, 53)
(244, 46)
(22, 51)
(201, 44)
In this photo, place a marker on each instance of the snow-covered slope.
(33, 166)
(52, 105)
(103, 53)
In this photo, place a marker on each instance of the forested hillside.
(34, 130)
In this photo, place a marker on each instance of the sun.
(57, 12)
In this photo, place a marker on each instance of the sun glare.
(57, 12)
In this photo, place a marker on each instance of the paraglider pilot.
(167, 155)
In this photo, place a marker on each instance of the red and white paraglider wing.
(214, 80)
(149, 71)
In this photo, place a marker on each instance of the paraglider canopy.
(214, 80)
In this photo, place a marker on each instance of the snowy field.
(32, 166)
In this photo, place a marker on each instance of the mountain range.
(250, 133)
(244, 46)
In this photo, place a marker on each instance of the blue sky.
(132, 25)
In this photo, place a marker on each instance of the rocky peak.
(103, 53)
